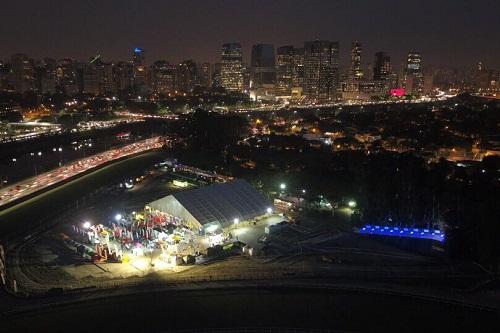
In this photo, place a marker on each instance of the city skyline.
(156, 28)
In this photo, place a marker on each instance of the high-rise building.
(163, 77)
(232, 67)
(187, 76)
(67, 77)
(321, 70)
(414, 80)
(92, 76)
(46, 76)
(382, 66)
(139, 63)
(124, 76)
(284, 70)
(262, 64)
(298, 68)
(289, 69)
(205, 72)
(108, 82)
(356, 71)
(23, 73)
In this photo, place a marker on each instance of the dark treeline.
(390, 188)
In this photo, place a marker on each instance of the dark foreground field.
(257, 308)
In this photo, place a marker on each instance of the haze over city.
(450, 33)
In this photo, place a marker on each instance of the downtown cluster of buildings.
(311, 73)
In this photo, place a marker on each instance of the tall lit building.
(187, 76)
(289, 69)
(382, 66)
(206, 72)
(321, 76)
(263, 70)
(414, 80)
(139, 63)
(284, 69)
(356, 71)
(163, 77)
(123, 73)
(23, 73)
(46, 76)
(67, 76)
(231, 75)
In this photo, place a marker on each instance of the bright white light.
(269, 210)
(212, 228)
(118, 217)
(14, 160)
(236, 221)
(303, 191)
(282, 186)
(352, 203)
(39, 153)
(86, 224)
(60, 149)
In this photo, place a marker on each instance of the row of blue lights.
(436, 235)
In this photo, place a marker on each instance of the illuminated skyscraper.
(382, 66)
(262, 65)
(284, 69)
(163, 77)
(23, 73)
(356, 71)
(321, 75)
(138, 61)
(67, 76)
(414, 79)
(206, 73)
(231, 67)
(289, 69)
(187, 76)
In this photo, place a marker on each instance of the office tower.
(413, 74)
(23, 73)
(289, 69)
(262, 65)
(67, 77)
(123, 73)
(4, 76)
(284, 69)
(298, 68)
(92, 76)
(321, 70)
(356, 71)
(216, 75)
(108, 82)
(163, 77)
(187, 76)
(46, 76)
(139, 64)
(205, 72)
(382, 66)
(232, 67)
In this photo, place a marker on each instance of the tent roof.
(224, 202)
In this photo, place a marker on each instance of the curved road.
(34, 212)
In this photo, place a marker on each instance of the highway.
(35, 184)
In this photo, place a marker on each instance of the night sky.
(454, 32)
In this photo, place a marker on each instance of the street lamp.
(282, 186)
(236, 220)
(86, 224)
(351, 203)
(118, 217)
(303, 191)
